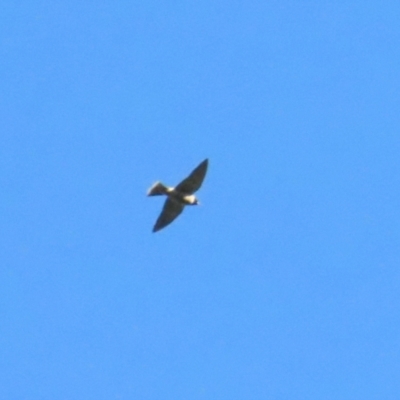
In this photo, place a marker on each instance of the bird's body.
(178, 196)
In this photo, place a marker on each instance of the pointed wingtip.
(204, 164)
(156, 228)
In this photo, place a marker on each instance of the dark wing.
(193, 182)
(169, 212)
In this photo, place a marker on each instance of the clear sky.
(283, 284)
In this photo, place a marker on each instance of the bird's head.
(191, 200)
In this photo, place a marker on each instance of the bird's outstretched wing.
(169, 212)
(193, 182)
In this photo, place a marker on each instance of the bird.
(179, 196)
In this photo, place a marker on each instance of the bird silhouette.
(179, 196)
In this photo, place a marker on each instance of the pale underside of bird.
(179, 196)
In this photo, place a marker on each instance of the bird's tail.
(157, 189)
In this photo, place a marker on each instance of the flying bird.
(178, 196)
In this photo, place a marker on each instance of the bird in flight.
(178, 196)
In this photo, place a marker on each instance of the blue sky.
(283, 284)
